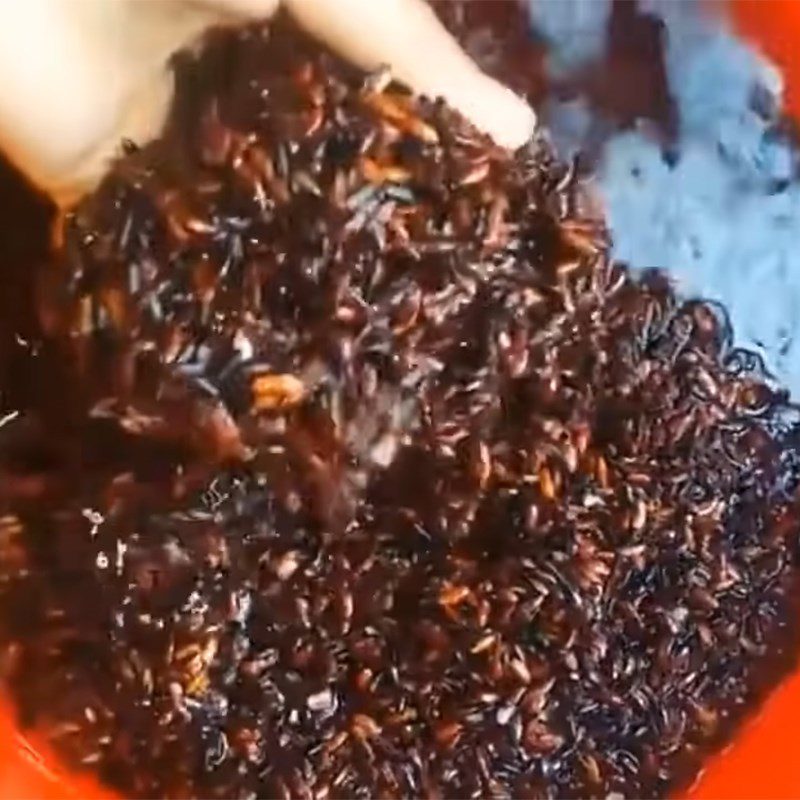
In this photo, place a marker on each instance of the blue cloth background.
(724, 213)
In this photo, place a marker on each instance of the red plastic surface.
(764, 761)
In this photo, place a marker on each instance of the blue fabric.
(724, 214)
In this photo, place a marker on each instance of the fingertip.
(515, 120)
(421, 53)
(497, 111)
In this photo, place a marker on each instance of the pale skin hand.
(81, 75)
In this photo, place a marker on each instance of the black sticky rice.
(352, 467)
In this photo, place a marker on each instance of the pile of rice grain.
(356, 469)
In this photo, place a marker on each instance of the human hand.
(81, 75)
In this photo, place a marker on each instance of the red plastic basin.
(760, 763)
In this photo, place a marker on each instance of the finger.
(238, 10)
(97, 74)
(407, 36)
(51, 98)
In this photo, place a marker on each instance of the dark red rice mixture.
(347, 465)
